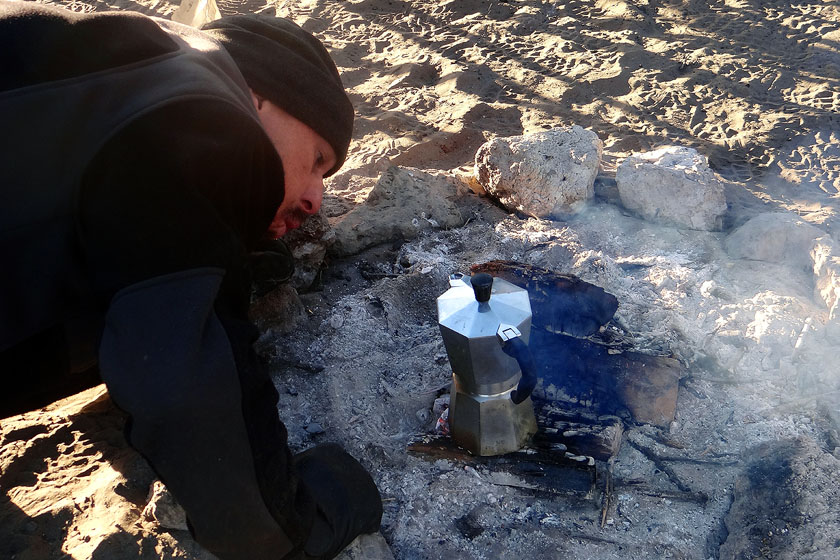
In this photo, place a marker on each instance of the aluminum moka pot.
(485, 324)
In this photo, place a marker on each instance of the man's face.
(306, 158)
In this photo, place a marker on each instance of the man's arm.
(166, 213)
(168, 362)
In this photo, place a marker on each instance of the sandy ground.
(754, 85)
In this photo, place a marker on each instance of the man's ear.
(257, 99)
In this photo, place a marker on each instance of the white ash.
(734, 323)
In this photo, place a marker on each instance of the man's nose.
(313, 197)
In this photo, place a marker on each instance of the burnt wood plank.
(582, 359)
(559, 302)
(614, 381)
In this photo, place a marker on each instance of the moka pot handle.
(517, 349)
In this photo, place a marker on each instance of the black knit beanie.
(291, 68)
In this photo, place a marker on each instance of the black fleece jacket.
(165, 216)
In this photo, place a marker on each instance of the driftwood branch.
(685, 492)
(608, 494)
(642, 487)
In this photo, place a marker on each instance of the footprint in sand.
(812, 161)
(77, 6)
(238, 7)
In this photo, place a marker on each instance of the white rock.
(314, 428)
(164, 509)
(778, 237)
(672, 185)
(785, 238)
(826, 261)
(196, 12)
(309, 247)
(367, 547)
(542, 174)
(403, 203)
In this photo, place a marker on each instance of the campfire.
(591, 382)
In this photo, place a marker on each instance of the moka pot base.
(490, 424)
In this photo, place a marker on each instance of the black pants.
(348, 500)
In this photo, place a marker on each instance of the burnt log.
(560, 303)
(578, 432)
(612, 381)
(582, 355)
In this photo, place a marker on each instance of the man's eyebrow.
(330, 157)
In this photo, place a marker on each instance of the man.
(140, 162)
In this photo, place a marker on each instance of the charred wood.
(561, 458)
(645, 386)
(549, 471)
(560, 302)
(587, 361)
(576, 432)
(642, 487)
